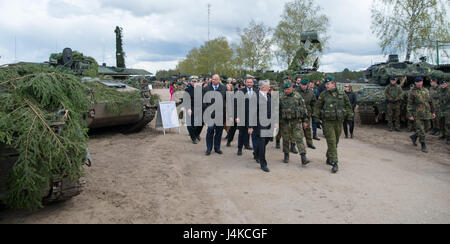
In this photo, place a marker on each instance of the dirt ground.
(154, 178)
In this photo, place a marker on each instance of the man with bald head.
(215, 129)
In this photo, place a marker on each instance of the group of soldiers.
(425, 109)
(301, 105)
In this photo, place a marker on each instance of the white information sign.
(167, 116)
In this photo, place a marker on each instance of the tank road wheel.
(149, 115)
(367, 114)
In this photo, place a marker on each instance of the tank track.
(149, 115)
(367, 114)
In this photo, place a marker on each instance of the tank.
(31, 169)
(371, 100)
(113, 103)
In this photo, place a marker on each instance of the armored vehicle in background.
(371, 100)
(114, 103)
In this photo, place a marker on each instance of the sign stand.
(167, 116)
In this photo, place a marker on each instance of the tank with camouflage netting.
(371, 100)
(43, 135)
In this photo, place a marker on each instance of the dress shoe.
(335, 168)
(265, 169)
(198, 138)
(219, 152)
(207, 153)
(441, 137)
(305, 161)
(239, 153)
(277, 146)
(286, 158)
(448, 142)
(397, 129)
(424, 148)
(414, 139)
(390, 129)
(293, 148)
(311, 146)
(228, 144)
(194, 141)
(316, 138)
(248, 148)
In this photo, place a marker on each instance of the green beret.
(328, 79)
(287, 85)
(304, 81)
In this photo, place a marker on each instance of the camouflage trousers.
(292, 131)
(410, 124)
(393, 114)
(422, 127)
(332, 131)
(445, 126)
(308, 133)
(436, 123)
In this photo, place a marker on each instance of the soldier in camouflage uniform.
(410, 123)
(444, 110)
(332, 107)
(393, 93)
(435, 93)
(293, 119)
(421, 110)
(278, 138)
(310, 101)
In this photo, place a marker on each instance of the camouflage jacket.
(419, 104)
(293, 106)
(393, 93)
(444, 101)
(309, 98)
(333, 105)
(435, 93)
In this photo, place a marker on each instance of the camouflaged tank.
(371, 100)
(114, 103)
(40, 177)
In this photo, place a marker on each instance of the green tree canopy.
(408, 26)
(298, 16)
(253, 51)
(214, 57)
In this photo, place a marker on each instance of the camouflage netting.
(29, 96)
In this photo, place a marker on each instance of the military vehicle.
(113, 102)
(29, 175)
(371, 100)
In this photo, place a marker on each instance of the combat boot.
(424, 148)
(286, 158)
(448, 142)
(414, 139)
(305, 161)
(436, 133)
(390, 129)
(335, 168)
(278, 145)
(294, 148)
(311, 146)
(441, 137)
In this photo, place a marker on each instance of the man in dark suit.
(215, 127)
(194, 114)
(261, 131)
(250, 92)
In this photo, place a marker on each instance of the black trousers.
(260, 150)
(194, 131)
(214, 137)
(232, 132)
(349, 124)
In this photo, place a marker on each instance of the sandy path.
(151, 178)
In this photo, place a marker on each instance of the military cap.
(286, 77)
(287, 85)
(194, 77)
(442, 82)
(392, 77)
(411, 86)
(304, 81)
(328, 79)
(249, 77)
(418, 79)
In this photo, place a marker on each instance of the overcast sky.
(157, 34)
